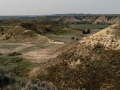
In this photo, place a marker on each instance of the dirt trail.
(19, 47)
(34, 55)
(42, 55)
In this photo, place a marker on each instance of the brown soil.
(42, 55)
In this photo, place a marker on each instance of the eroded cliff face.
(89, 19)
(108, 37)
(114, 20)
(101, 20)
(67, 19)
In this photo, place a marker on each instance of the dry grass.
(91, 75)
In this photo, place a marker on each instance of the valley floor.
(37, 52)
(33, 52)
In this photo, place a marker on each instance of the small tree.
(88, 31)
(77, 39)
(83, 31)
(72, 38)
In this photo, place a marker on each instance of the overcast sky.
(42, 7)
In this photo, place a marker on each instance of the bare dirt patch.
(13, 47)
(42, 54)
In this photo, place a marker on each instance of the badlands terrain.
(89, 19)
(91, 63)
(53, 55)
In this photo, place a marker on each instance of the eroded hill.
(92, 63)
(32, 30)
(95, 19)
(18, 33)
(67, 19)
(46, 27)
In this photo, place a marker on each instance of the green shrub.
(5, 80)
(14, 54)
(72, 38)
(37, 85)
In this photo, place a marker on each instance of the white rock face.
(114, 20)
(67, 19)
(109, 38)
(101, 19)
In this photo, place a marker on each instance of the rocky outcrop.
(89, 19)
(101, 20)
(67, 19)
(109, 38)
(114, 20)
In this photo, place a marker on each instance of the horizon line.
(58, 14)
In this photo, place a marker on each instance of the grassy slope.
(86, 26)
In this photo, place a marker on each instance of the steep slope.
(109, 38)
(114, 20)
(101, 20)
(89, 19)
(91, 64)
(92, 19)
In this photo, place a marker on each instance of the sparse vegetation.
(13, 64)
(5, 80)
(11, 69)
(72, 38)
(45, 27)
(79, 65)
(37, 85)
(14, 54)
(86, 31)
(86, 26)
(77, 39)
(91, 75)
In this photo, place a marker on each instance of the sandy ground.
(36, 55)
(33, 55)
(42, 55)
(20, 47)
